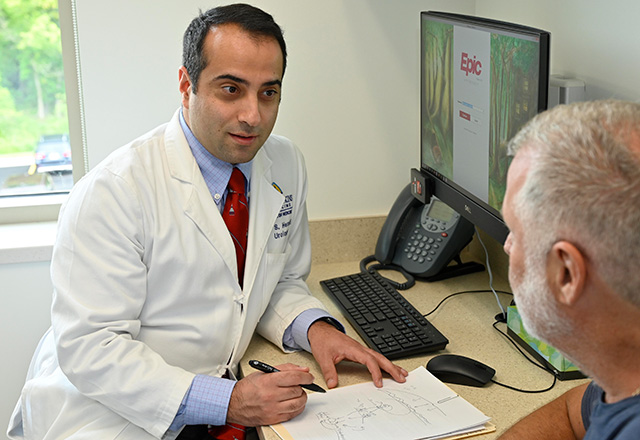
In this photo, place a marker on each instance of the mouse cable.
(376, 267)
(460, 293)
(539, 365)
(527, 391)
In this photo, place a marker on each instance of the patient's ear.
(566, 272)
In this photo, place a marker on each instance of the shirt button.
(217, 197)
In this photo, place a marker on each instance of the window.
(40, 137)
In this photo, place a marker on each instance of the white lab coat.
(145, 291)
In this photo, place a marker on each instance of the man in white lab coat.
(149, 318)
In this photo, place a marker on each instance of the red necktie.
(230, 431)
(236, 216)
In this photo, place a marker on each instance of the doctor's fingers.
(378, 362)
(356, 352)
(374, 361)
(366, 357)
(289, 379)
(280, 386)
(290, 366)
(254, 402)
(271, 413)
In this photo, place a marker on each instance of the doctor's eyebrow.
(275, 82)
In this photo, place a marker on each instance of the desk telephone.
(422, 238)
(419, 240)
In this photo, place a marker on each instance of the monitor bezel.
(470, 206)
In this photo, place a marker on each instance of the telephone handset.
(422, 238)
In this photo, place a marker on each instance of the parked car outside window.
(53, 153)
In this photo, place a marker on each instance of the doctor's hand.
(266, 399)
(330, 346)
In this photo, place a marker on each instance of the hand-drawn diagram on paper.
(390, 403)
(421, 407)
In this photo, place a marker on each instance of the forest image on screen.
(437, 102)
(479, 89)
(514, 100)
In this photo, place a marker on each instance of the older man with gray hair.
(573, 207)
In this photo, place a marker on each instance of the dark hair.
(253, 20)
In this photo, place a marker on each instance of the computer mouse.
(453, 368)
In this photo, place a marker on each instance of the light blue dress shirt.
(207, 400)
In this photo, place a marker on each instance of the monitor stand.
(456, 270)
(553, 360)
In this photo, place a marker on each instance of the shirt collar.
(216, 172)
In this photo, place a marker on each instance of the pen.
(265, 368)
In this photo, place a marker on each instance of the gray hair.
(583, 186)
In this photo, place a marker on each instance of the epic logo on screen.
(470, 65)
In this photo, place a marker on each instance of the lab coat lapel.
(264, 206)
(198, 203)
(201, 208)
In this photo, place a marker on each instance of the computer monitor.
(481, 80)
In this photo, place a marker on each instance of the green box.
(543, 352)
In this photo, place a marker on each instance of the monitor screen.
(481, 80)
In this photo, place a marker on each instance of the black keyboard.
(386, 321)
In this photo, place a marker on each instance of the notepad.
(421, 408)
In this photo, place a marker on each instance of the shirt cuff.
(206, 402)
(295, 336)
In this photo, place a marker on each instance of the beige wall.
(350, 94)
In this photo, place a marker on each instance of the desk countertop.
(466, 320)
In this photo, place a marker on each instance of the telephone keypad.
(422, 247)
(422, 239)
